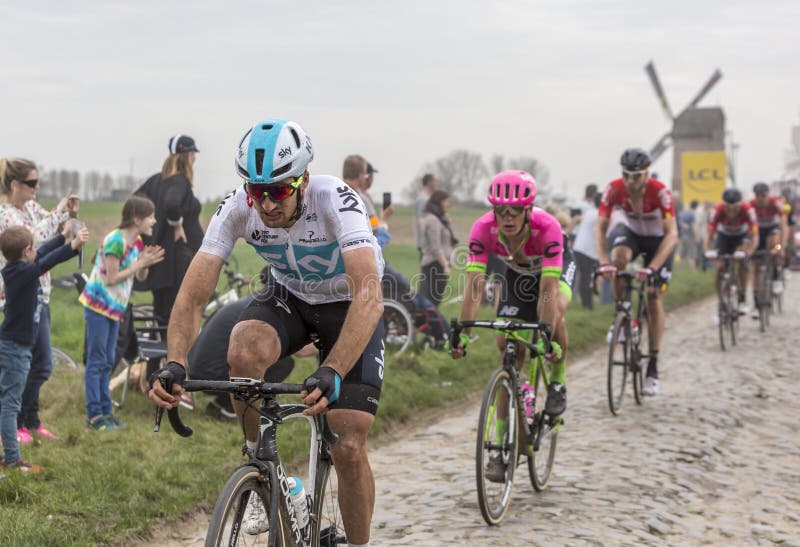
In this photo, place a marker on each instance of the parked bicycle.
(510, 400)
(728, 307)
(256, 504)
(628, 342)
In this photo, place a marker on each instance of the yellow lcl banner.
(703, 176)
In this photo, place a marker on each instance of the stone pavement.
(714, 459)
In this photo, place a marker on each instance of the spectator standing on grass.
(19, 181)
(437, 245)
(122, 256)
(687, 221)
(23, 313)
(429, 183)
(584, 247)
(178, 230)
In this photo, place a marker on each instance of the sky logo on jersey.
(320, 261)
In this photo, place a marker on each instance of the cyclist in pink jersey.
(736, 228)
(537, 282)
(648, 229)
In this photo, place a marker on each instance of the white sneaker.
(754, 313)
(255, 518)
(743, 308)
(777, 287)
(650, 386)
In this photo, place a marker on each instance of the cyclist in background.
(326, 267)
(772, 234)
(537, 282)
(648, 228)
(736, 229)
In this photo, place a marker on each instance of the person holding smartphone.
(19, 182)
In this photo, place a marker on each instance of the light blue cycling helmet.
(273, 150)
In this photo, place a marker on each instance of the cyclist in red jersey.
(736, 229)
(773, 231)
(647, 228)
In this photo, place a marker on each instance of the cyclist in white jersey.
(326, 269)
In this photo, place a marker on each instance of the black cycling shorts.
(727, 244)
(647, 246)
(298, 323)
(518, 293)
(764, 233)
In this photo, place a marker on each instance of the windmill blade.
(796, 139)
(706, 88)
(662, 98)
(731, 172)
(660, 147)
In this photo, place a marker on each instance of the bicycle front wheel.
(241, 513)
(618, 362)
(545, 437)
(328, 526)
(496, 449)
(640, 354)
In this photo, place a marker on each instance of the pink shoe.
(24, 436)
(43, 432)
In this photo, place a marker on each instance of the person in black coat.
(178, 230)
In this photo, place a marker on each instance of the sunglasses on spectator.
(275, 192)
(30, 182)
(633, 175)
(508, 210)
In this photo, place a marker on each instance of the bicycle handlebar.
(506, 325)
(247, 388)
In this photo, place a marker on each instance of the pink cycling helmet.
(515, 188)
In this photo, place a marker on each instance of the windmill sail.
(662, 98)
(706, 88)
(660, 147)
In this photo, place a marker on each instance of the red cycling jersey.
(769, 215)
(656, 206)
(742, 223)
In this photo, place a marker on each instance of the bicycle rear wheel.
(640, 355)
(545, 437)
(241, 513)
(764, 299)
(496, 449)
(398, 326)
(618, 362)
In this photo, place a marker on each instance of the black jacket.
(174, 199)
(22, 290)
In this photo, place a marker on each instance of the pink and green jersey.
(111, 300)
(543, 247)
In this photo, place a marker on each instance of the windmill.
(696, 133)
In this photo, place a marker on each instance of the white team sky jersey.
(306, 258)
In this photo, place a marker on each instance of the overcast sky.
(100, 84)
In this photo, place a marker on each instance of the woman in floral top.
(19, 180)
(105, 297)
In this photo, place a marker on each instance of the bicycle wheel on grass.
(618, 362)
(241, 513)
(496, 441)
(63, 360)
(640, 356)
(398, 326)
(545, 437)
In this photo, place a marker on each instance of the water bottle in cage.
(635, 331)
(528, 400)
(299, 500)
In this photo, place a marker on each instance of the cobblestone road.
(714, 459)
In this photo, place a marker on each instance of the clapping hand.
(152, 254)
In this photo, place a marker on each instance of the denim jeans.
(101, 343)
(15, 362)
(41, 369)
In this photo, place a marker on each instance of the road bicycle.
(255, 506)
(629, 342)
(767, 300)
(728, 307)
(530, 431)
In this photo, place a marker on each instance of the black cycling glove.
(327, 380)
(173, 373)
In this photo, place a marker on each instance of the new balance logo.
(510, 311)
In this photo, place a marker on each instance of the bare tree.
(459, 173)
